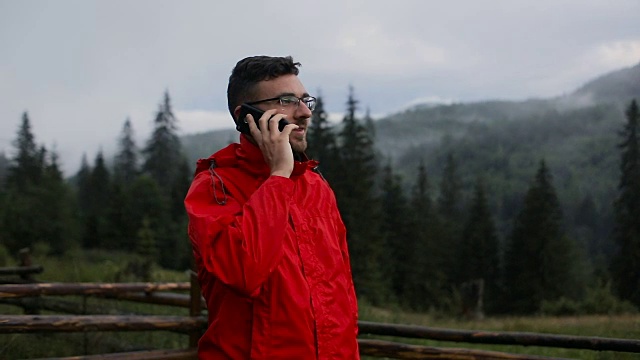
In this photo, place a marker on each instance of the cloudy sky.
(81, 68)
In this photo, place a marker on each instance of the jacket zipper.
(304, 275)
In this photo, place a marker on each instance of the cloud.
(617, 54)
(80, 68)
(371, 49)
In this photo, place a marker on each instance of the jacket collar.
(250, 158)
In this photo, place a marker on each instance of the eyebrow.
(292, 94)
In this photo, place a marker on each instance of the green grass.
(614, 326)
(103, 266)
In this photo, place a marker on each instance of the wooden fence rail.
(394, 350)
(500, 338)
(82, 323)
(196, 323)
(21, 270)
(27, 290)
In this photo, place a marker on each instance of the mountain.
(502, 142)
(430, 124)
(612, 87)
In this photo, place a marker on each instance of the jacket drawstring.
(213, 173)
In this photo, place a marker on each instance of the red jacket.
(272, 260)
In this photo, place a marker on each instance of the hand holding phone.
(243, 126)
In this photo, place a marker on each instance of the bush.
(597, 300)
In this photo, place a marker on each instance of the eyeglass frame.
(279, 98)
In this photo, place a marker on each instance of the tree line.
(418, 244)
(131, 203)
(414, 243)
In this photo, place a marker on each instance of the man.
(269, 244)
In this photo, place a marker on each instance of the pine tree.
(395, 229)
(58, 219)
(83, 188)
(22, 196)
(121, 226)
(540, 261)
(163, 151)
(449, 212)
(125, 167)
(39, 206)
(26, 167)
(4, 166)
(97, 189)
(357, 202)
(450, 198)
(625, 265)
(166, 164)
(322, 142)
(478, 255)
(152, 203)
(426, 283)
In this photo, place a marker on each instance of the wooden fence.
(31, 297)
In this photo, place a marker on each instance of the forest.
(538, 203)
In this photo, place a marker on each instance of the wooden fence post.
(25, 261)
(195, 307)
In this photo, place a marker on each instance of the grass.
(103, 266)
(608, 326)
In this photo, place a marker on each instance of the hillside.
(502, 142)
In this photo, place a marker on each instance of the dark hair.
(250, 71)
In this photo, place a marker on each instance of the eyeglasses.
(291, 100)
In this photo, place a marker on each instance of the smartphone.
(243, 126)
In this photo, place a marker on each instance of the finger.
(253, 128)
(273, 123)
(264, 121)
(288, 129)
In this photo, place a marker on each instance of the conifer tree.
(39, 205)
(98, 188)
(163, 151)
(83, 188)
(625, 265)
(166, 164)
(426, 283)
(359, 208)
(395, 229)
(122, 227)
(4, 165)
(450, 197)
(322, 142)
(478, 253)
(58, 219)
(449, 206)
(540, 261)
(125, 167)
(26, 166)
(23, 180)
(150, 202)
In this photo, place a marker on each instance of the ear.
(236, 113)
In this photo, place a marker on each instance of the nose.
(303, 111)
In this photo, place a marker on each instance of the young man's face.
(299, 115)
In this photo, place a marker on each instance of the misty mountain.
(502, 143)
(425, 125)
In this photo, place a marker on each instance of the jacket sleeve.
(240, 244)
